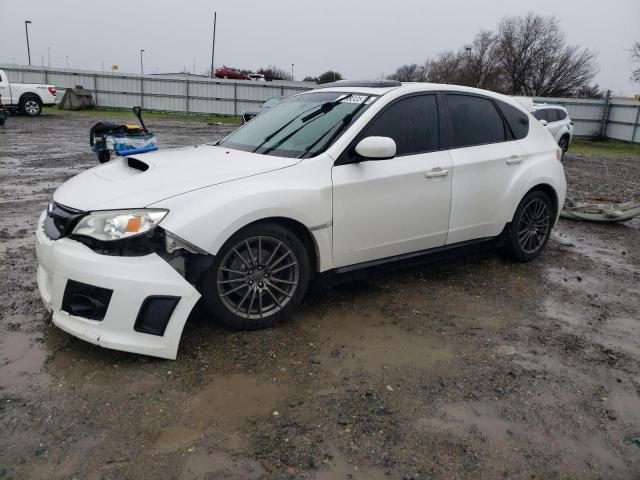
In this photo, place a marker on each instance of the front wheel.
(530, 228)
(258, 278)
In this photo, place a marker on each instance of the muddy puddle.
(370, 341)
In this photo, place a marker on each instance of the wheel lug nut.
(261, 284)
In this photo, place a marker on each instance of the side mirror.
(376, 148)
(544, 122)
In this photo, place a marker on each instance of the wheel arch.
(27, 95)
(549, 191)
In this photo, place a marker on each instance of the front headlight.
(118, 224)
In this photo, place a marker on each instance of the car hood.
(140, 180)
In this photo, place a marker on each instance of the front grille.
(60, 220)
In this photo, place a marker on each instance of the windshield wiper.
(322, 109)
(309, 119)
(326, 107)
(346, 120)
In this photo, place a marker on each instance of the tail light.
(559, 154)
(52, 90)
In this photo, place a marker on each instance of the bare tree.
(536, 60)
(590, 91)
(635, 58)
(483, 61)
(526, 56)
(447, 67)
(410, 73)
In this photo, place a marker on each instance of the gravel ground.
(476, 368)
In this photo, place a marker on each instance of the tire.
(30, 105)
(563, 143)
(530, 228)
(104, 156)
(241, 290)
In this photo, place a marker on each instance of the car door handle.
(514, 159)
(436, 172)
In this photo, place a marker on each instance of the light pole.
(141, 65)
(49, 56)
(26, 29)
(292, 71)
(67, 61)
(468, 50)
(213, 46)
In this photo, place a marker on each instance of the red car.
(230, 73)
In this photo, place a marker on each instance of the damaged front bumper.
(137, 304)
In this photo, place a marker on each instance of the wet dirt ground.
(476, 368)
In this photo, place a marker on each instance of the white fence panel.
(190, 94)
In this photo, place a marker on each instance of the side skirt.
(360, 270)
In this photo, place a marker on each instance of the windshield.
(301, 126)
(272, 102)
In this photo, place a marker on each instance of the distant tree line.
(526, 55)
(326, 77)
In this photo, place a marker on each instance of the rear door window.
(474, 121)
(412, 122)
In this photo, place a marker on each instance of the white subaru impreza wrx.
(342, 178)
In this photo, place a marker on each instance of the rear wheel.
(531, 227)
(258, 278)
(30, 105)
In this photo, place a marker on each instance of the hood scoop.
(137, 164)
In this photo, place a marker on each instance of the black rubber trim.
(155, 313)
(420, 253)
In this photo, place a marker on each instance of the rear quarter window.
(561, 114)
(517, 120)
(552, 114)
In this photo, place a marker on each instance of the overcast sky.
(360, 38)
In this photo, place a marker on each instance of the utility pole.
(49, 56)
(292, 71)
(26, 29)
(67, 61)
(141, 65)
(213, 46)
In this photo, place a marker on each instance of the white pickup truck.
(28, 98)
